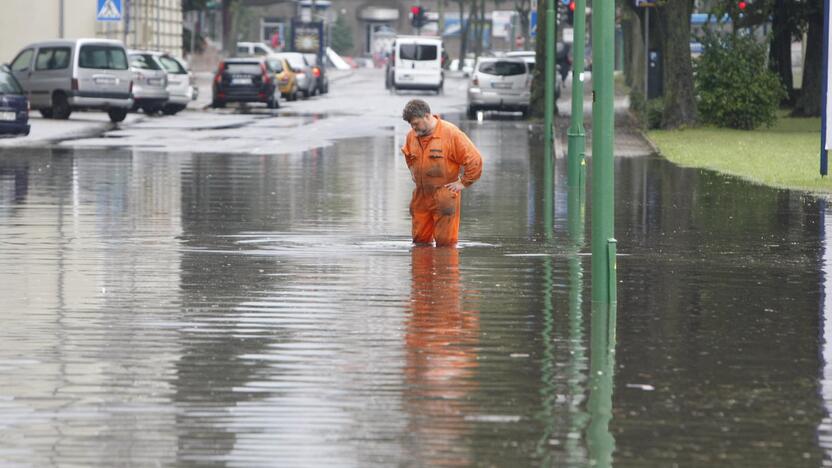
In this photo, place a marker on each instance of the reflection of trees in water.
(441, 360)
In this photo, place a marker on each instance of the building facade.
(146, 24)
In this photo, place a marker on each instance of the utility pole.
(603, 136)
(548, 116)
(61, 19)
(576, 165)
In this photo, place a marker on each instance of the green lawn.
(785, 155)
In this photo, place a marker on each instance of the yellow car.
(286, 80)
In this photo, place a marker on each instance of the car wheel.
(171, 109)
(60, 106)
(472, 112)
(326, 89)
(305, 94)
(46, 113)
(153, 110)
(117, 115)
(217, 104)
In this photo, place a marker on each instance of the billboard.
(307, 37)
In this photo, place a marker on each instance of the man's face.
(421, 125)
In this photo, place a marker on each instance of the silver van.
(65, 75)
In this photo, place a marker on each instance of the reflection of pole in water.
(577, 362)
(547, 390)
(600, 441)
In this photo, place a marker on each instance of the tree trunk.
(538, 92)
(226, 25)
(780, 51)
(466, 30)
(809, 102)
(674, 30)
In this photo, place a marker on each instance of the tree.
(809, 101)
(538, 92)
(342, 36)
(674, 37)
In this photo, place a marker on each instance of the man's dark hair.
(416, 108)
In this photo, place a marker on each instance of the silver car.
(179, 88)
(150, 82)
(61, 76)
(303, 72)
(501, 84)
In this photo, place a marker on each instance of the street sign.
(109, 10)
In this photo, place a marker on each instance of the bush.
(734, 86)
(655, 109)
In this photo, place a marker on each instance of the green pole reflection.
(600, 442)
(548, 392)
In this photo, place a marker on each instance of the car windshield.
(251, 68)
(143, 62)
(8, 85)
(104, 57)
(502, 68)
(276, 65)
(172, 65)
(418, 52)
(295, 61)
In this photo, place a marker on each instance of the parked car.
(287, 81)
(416, 63)
(245, 80)
(302, 70)
(65, 75)
(501, 84)
(14, 106)
(180, 83)
(150, 82)
(318, 73)
(254, 48)
(528, 56)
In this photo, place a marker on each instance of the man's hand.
(455, 187)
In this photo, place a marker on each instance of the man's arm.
(468, 156)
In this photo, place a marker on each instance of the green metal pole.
(603, 185)
(548, 115)
(577, 135)
(600, 441)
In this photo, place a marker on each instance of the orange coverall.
(434, 161)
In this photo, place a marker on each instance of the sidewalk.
(629, 138)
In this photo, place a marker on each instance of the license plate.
(154, 81)
(501, 85)
(105, 80)
(241, 81)
(8, 116)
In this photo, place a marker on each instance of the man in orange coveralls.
(435, 150)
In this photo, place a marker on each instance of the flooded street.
(174, 308)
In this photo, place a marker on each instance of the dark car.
(14, 106)
(248, 79)
(319, 73)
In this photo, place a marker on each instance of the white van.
(64, 75)
(416, 63)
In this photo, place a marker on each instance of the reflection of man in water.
(435, 151)
(441, 358)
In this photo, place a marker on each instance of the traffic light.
(742, 5)
(570, 14)
(417, 17)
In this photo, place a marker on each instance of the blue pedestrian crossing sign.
(108, 10)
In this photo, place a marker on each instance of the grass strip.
(784, 156)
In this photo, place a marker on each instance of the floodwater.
(198, 309)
